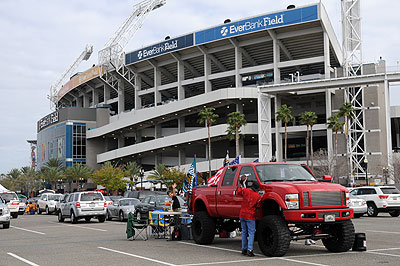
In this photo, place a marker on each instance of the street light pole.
(366, 171)
(141, 177)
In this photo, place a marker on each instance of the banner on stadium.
(269, 21)
(89, 74)
(159, 49)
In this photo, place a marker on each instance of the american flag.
(215, 178)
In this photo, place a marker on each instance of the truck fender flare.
(205, 202)
(274, 196)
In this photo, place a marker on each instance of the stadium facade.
(153, 106)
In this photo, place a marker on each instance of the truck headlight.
(292, 201)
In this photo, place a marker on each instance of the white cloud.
(41, 38)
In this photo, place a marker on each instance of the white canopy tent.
(2, 188)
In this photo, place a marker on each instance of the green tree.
(133, 171)
(54, 162)
(347, 110)
(309, 119)
(208, 117)
(14, 174)
(235, 121)
(52, 175)
(284, 114)
(29, 179)
(77, 172)
(174, 175)
(109, 177)
(335, 124)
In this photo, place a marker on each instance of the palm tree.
(132, 169)
(335, 124)
(309, 119)
(52, 174)
(54, 162)
(347, 111)
(235, 121)
(157, 173)
(14, 174)
(29, 179)
(77, 172)
(284, 114)
(208, 117)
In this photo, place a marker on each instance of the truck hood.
(301, 186)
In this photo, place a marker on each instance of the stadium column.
(207, 72)
(157, 131)
(181, 124)
(85, 100)
(182, 156)
(121, 96)
(121, 141)
(95, 96)
(157, 84)
(107, 93)
(239, 108)
(277, 59)
(181, 77)
(238, 63)
(138, 87)
(328, 95)
(278, 136)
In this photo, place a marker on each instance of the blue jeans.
(248, 229)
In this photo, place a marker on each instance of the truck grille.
(306, 200)
(325, 198)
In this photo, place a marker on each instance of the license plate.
(395, 198)
(329, 218)
(92, 204)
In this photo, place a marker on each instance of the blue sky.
(41, 38)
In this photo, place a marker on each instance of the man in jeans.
(251, 200)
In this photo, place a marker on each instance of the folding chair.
(139, 227)
(164, 224)
(154, 225)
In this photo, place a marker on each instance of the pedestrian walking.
(250, 202)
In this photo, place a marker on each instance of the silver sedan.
(121, 208)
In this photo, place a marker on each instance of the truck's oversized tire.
(273, 236)
(394, 213)
(203, 228)
(342, 237)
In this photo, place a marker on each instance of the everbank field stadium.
(146, 110)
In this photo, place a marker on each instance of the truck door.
(226, 204)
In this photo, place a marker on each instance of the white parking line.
(137, 256)
(227, 262)
(84, 227)
(303, 262)
(22, 259)
(385, 232)
(225, 249)
(383, 249)
(384, 254)
(32, 231)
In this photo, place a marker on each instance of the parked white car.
(12, 201)
(47, 202)
(4, 214)
(379, 199)
(359, 206)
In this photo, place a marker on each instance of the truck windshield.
(282, 172)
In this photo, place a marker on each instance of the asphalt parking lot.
(41, 240)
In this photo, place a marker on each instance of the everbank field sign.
(284, 18)
(268, 21)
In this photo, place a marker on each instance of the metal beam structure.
(352, 52)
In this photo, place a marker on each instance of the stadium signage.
(268, 21)
(47, 121)
(159, 48)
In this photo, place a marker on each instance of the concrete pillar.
(238, 66)
(181, 77)
(157, 158)
(107, 95)
(138, 137)
(327, 61)
(121, 96)
(278, 136)
(182, 156)
(79, 101)
(277, 59)
(157, 83)
(207, 72)
(138, 87)
(95, 97)
(121, 141)
(328, 95)
(157, 131)
(86, 100)
(181, 125)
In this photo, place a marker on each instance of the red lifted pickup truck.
(294, 206)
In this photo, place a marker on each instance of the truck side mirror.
(327, 178)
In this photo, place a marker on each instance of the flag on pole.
(226, 161)
(192, 175)
(215, 178)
